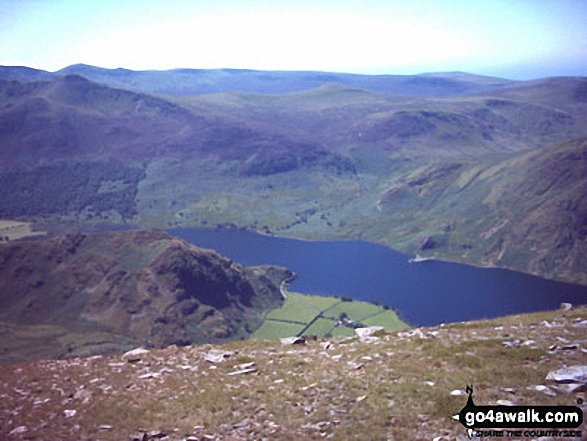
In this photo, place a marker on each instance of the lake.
(425, 293)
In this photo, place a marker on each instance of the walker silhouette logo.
(475, 417)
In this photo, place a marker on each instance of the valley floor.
(401, 386)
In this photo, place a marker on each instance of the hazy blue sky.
(510, 38)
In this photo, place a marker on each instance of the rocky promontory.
(91, 293)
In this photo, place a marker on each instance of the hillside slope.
(530, 212)
(99, 292)
(402, 386)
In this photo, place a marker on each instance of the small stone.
(241, 425)
(245, 365)
(510, 390)
(368, 331)
(293, 341)
(581, 324)
(361, 398)
(135, 352)
(84, 395)
(566, 306)
(309, 386)
(356, 366)
(105, 427)
(19, 429)
(369, 339)
(430, 383)
(217, 355)
(242, 371)
(69, 413)
(541, 388)
(150, 375)
(457, 393)
(505, 403)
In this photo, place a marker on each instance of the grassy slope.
(109, 291)
(529, 211)
(342, 390)
(303, 314)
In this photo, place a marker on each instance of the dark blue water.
(426, 293)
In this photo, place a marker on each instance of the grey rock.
(572, 374)
(217, 355)
(245, 365)
(135, 352)
(241, 424)
(19, 429)
(368, 331)
(544, 389)
(566, 306)
(572, 388)
(84, 395)
(243, 371)
(293, 341)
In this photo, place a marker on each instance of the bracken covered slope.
(100, 292)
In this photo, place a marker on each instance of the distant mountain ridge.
(206, 81)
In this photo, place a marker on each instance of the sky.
(517, 39)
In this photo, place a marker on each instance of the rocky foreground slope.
(84, 294)
(399, 386)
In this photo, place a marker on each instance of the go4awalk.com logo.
(519, 421)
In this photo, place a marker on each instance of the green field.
(303, 314)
